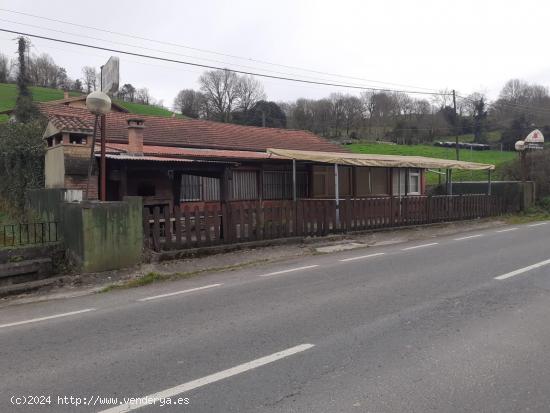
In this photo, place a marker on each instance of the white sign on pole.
(110, 75)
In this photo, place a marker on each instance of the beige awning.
(388, 161)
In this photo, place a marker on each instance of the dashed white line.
(185, 387)
(507, 230)
(522, 270)
(468, 237)
(286, 271)
(50, 317)
(420, 246)
(538, 225)
(362, 257)
(154, 297)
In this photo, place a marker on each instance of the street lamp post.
(99, 104)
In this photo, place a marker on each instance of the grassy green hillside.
(8, 95)
(141, 109)
(496, 158)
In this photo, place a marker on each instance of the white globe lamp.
(98, 103)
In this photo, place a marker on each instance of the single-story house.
(181, 161)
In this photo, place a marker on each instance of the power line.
(221, 68)
(166, 52)
(210, 51)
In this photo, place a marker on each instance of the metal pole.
(294, 180)
(337, 195)
(103, 163)
(91, 162)
(456, 132)
(450, 181)
(488, 182)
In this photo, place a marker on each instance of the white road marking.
(154, 297)
(471, 236)
(362, 257)
(508, 230)
(35, 320)
(285, 271)
(538, 225)
(185, 387)
(522, 270)
(420, 246)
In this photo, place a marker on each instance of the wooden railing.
(244, 221)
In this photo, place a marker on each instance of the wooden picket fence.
(243, 221)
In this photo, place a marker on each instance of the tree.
(518, 129)
(190, 103)
(220, 88)
(143, 96)
(249, 92)
(77, 85)
(263, 113)
(127, 92)
(21, 159)
(4, 68)
(90, 78)
(24, 109)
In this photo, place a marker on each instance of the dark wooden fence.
(28, 233)
(255, 220)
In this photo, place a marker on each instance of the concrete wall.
(103, 236)
(96, 236)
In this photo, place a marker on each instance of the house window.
(191, 186)
(244, 185)
(199, 188)
(278, 184)
(414, 182)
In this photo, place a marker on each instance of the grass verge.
(153, 277)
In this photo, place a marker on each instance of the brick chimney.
(135, 136)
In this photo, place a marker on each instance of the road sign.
(110, 75)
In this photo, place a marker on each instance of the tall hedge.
(21, 160)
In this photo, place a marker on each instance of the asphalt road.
(454, 324)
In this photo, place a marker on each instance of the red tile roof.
(194, 133)
(71, 123)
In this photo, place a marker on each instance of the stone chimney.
(135, 136)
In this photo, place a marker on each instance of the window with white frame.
(414, 182)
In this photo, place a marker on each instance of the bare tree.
(90, 77)
(249, 92)
(143, 96)
(220, 88)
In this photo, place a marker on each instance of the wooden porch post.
(294, 180)
(337, 195)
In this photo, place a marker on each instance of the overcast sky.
(468, 45)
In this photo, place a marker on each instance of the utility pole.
(455, 128)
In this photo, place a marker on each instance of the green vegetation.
(141, 109)
(153, 277)
(538, 212)
(492, 137)
(8, 96)
(494, 157)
